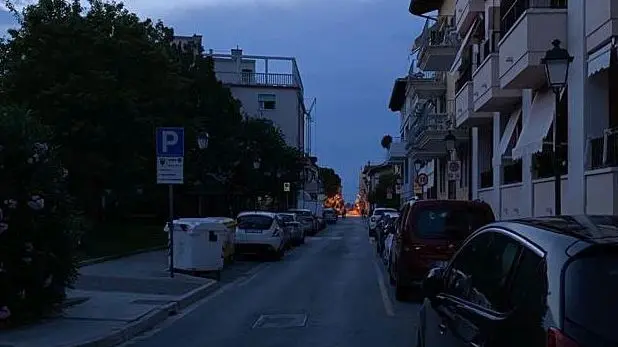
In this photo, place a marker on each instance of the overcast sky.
(349, 53)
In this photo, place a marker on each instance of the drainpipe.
(470, 172)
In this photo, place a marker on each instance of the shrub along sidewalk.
(116, 238)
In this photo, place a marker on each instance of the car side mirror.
(433, 283)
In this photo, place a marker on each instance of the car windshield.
(254, 221)
(445, 222)
(381, 212)
(590, 287)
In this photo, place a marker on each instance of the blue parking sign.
(170, 142)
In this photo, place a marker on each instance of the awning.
(420, 7)
(537, 125)
(599, 60)
(398, 95)
(462, 48)
(508, 132)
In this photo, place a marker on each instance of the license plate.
(440, 263)
(253, 231)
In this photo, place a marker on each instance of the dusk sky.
(349, 53)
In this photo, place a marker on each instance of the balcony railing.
(441, 33)
(465, 75)
(258, 79)
(426, 75)
(604, 150)
(511, 10)
(488, 47)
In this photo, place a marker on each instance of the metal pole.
(557, 176)
(171, 229)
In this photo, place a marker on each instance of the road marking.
(388, 306)
(252, 274)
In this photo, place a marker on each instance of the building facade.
(268, 87)
(503, 111)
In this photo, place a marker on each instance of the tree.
(38, 222)
(331, 181)
(379, 196)
(386, 142)
(103, 79)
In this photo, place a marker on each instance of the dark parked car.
(430, 232)
(549, 281)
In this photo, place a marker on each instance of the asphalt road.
(331, 291)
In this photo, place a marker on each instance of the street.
(330, 292)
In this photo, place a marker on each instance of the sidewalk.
(113, 302)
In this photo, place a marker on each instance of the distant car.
(262, 233)
(543, 281)
(376, 216)
(307, 219)
(330, 215)
(296, 229)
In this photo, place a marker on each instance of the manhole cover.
(281, 321)
(149, 302)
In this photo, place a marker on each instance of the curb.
(121, 255)
(151, 319)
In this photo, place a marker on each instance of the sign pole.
(171, 228)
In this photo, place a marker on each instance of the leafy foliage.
(386, 141)
(331, 181)
(38, 223)
(379, 196)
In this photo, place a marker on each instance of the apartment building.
(268, 87)
(503, 103)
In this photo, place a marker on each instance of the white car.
(375, 217)
(262, 233)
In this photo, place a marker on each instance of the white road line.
(253, 273)
(388, 305)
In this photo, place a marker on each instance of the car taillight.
(556, 338)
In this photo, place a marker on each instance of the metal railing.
(465, 74)
(259, 79)
(511, 10)
(488, 47)
(604, 150)
(427, 75)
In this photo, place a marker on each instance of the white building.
(501, 96)
(267, 87)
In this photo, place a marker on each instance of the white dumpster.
(199, 244)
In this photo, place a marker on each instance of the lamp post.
(202, 144)
(557, 61)
(450, 141)
(257, 162)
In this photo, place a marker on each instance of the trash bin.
(199, 245)
(230, 237)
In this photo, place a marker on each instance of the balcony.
(528, 28)
(465, 12)
(427, 84)
(428, 132)
(236, 69)
(397, 151)
(601, 22)
(438, 45)
(487, 96)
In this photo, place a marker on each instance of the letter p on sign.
(170, 142)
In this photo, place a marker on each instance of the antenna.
(309, 125)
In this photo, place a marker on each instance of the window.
(448, 222)
(529, 288)
(254, 221)
(267, 101)
(481, 270)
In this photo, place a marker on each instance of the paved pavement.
(330, 292)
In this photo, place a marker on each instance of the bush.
(38, 224)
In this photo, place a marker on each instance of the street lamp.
(257, 163)
(418, 165)
(449, 141)
(557, 61)
(202, 140)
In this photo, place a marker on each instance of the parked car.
(262, 233)
(548, 281)
(330, 215)
(384, 224)
(293, 225)
(375, 217)
(307, 219)
(429, 234)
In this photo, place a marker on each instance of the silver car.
(296, 229)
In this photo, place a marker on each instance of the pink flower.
(5, 313)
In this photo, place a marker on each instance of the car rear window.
(286, 217)
(448, 222)
(254, 221)
(590, 296)
(382, 212)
